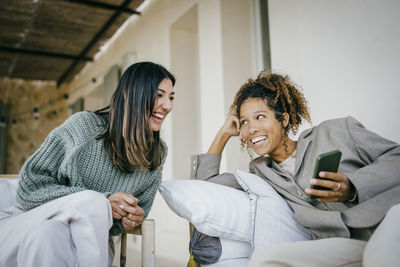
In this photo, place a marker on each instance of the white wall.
(186, 115)
(237, 67)
(94, 100)
(210, 71)
(345, 55)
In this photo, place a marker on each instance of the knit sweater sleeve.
(146, 198)
(40, 180)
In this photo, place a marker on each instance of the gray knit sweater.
(72, 160)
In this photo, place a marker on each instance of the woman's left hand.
(339, 188)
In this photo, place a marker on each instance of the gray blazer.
(369, 161)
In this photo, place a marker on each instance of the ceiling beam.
(104, 6)
(97, 37)
(42, 53)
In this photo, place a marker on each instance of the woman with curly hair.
(95, 176)
(342, 215)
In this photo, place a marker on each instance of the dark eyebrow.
(172, 93)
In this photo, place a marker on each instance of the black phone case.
(326, 162)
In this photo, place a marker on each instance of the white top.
(289, 164)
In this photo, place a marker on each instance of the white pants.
(383, 249)
(69, 231)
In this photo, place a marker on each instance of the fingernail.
(321, 174)
(308, 191)
(313, 181)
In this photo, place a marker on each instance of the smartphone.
(326, 162)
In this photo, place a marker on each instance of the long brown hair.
(129, 140)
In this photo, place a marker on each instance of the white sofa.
(8, 187)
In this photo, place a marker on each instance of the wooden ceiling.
(54, 39)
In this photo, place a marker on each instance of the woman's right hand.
(231, 126)
(229, 129)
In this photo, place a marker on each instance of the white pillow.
(273, 218)
(215, 210)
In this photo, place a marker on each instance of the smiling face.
(163, 104)
(261, 130)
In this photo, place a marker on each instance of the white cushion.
(8, 188)
(214, 209)
(241, 262)
(272, 216)
(233, 249)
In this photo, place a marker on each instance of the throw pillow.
(273, 217)
(215, 210)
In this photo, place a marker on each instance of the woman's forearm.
(219, 143)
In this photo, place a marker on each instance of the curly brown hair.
(281, 96)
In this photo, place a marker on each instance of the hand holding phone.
(328, 162)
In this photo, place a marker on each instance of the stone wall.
(28, 129)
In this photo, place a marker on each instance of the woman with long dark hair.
(96, 175)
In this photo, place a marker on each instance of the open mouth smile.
(259, 140)
(158, 116)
